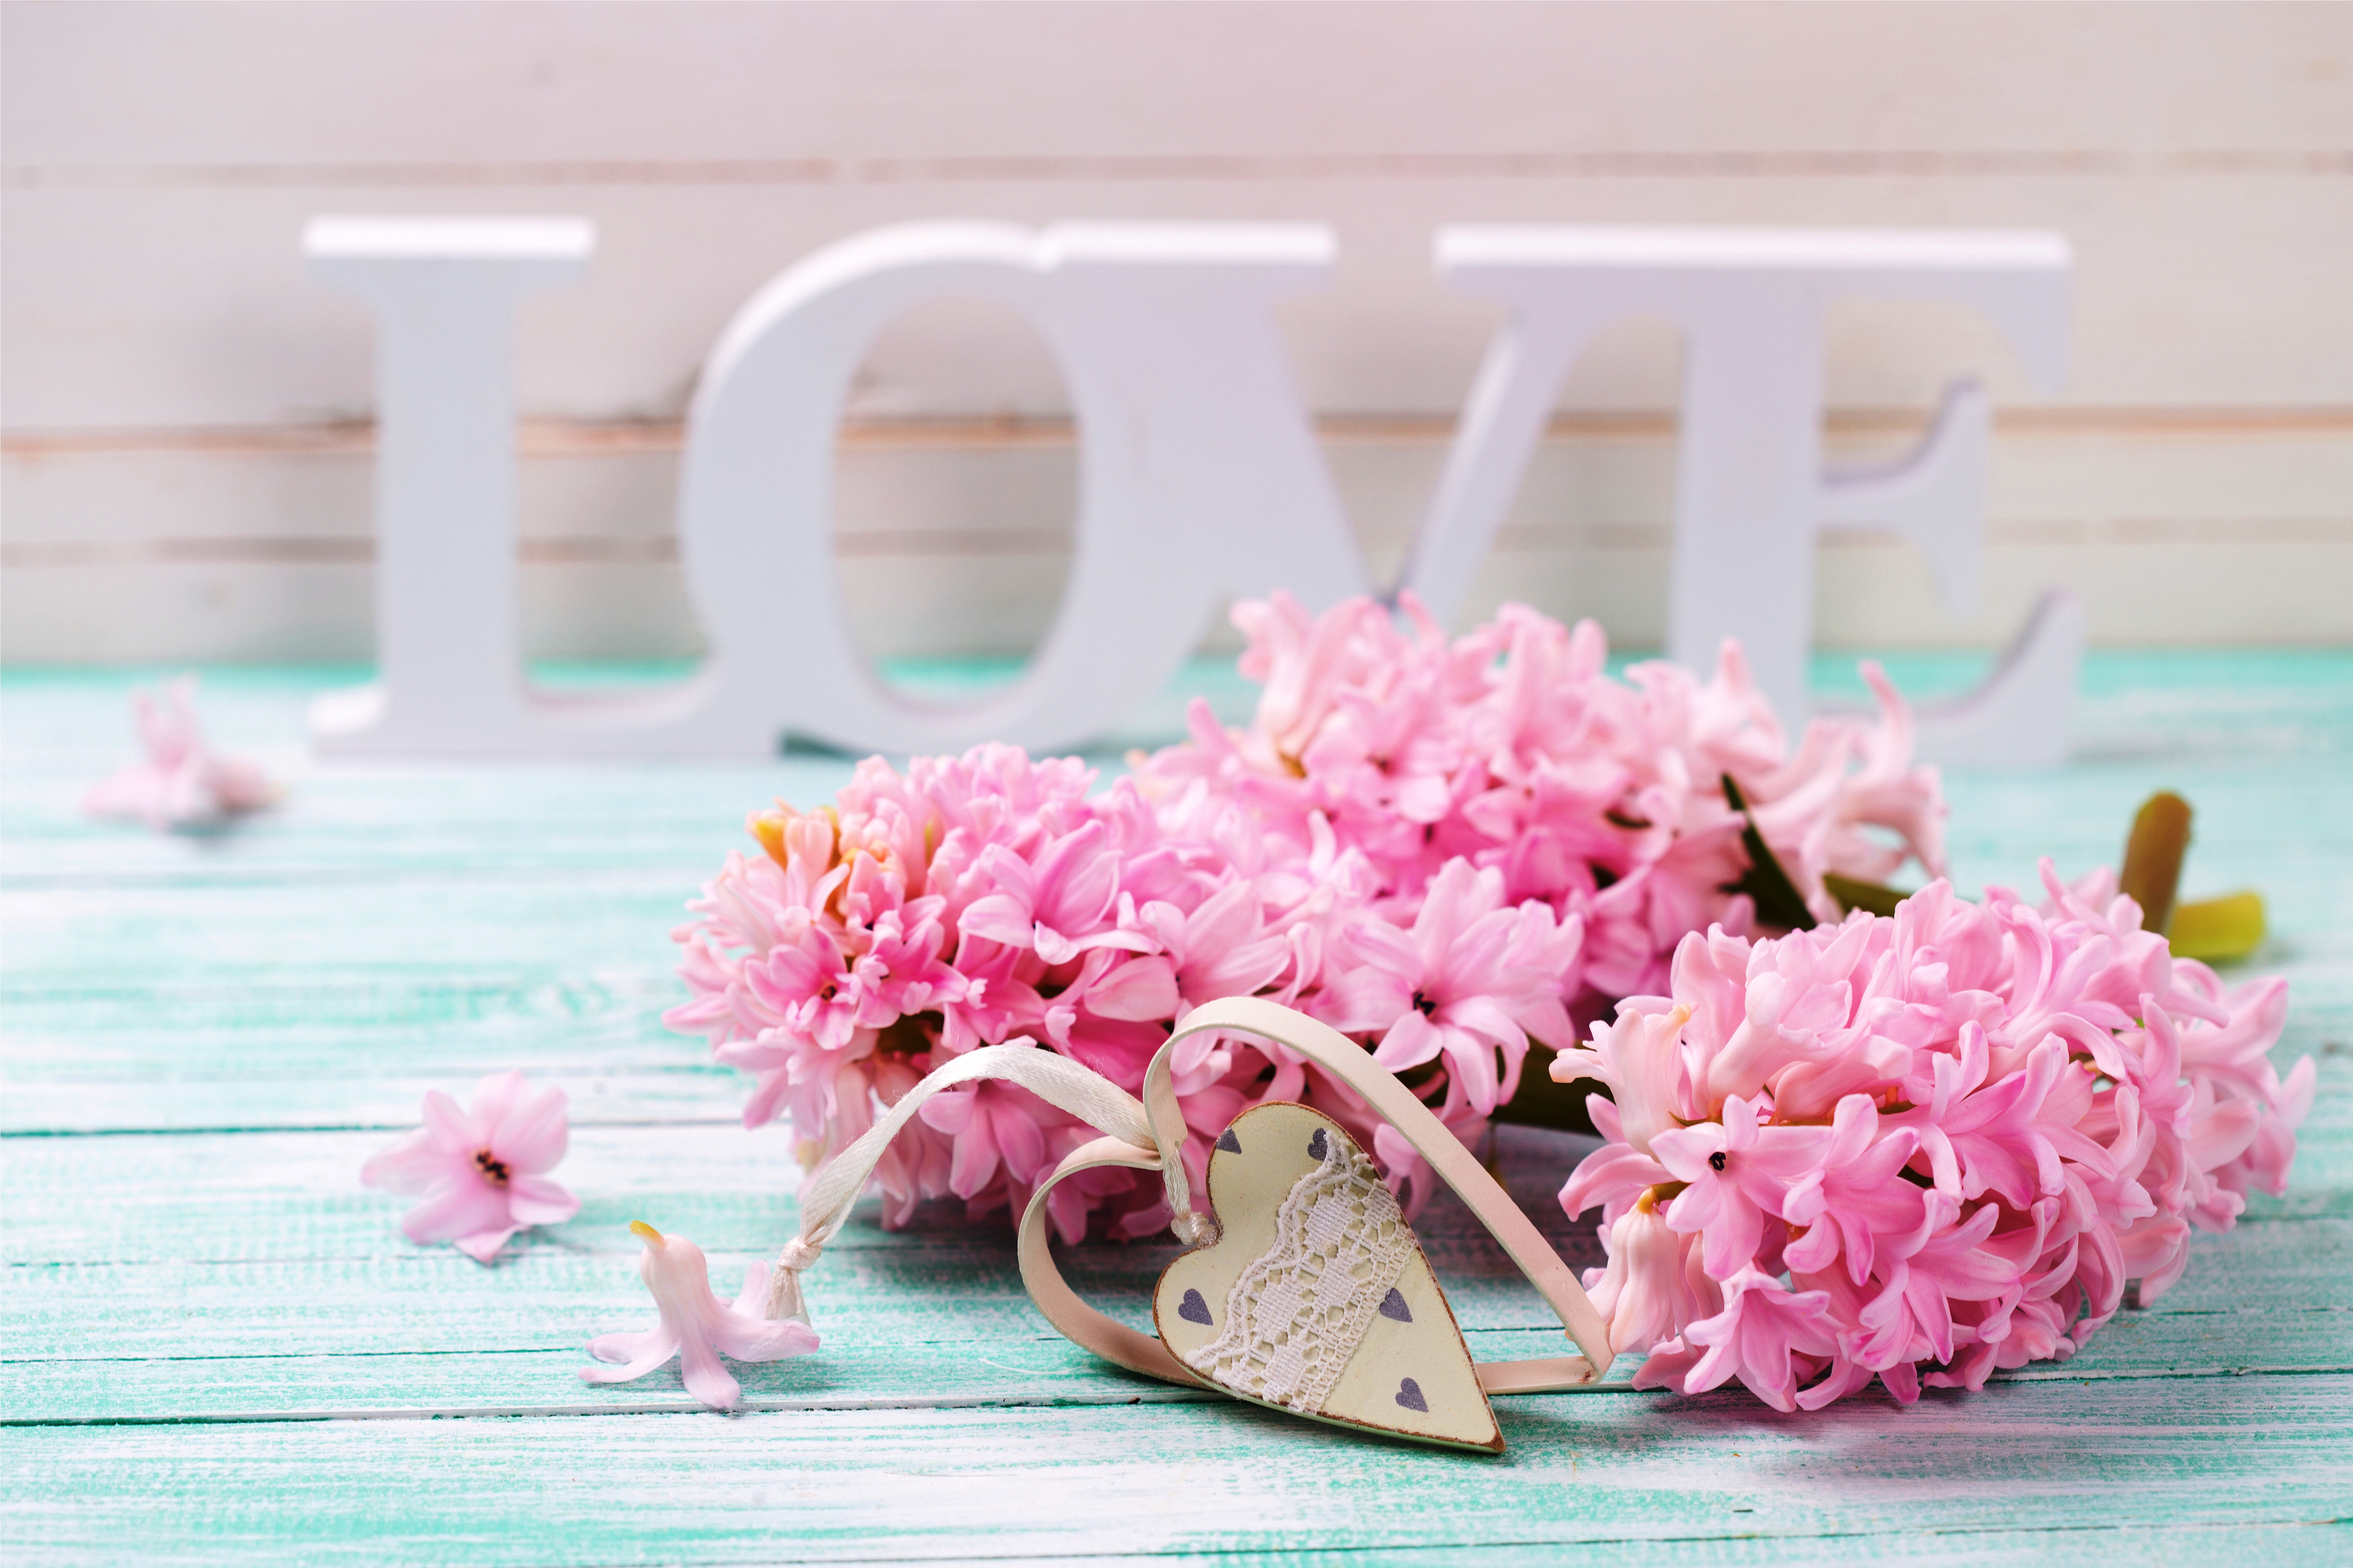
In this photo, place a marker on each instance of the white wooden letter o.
(1198, 476)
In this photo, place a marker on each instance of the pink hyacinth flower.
(1645, 1290)
(181, 785)
(1854, 1195)
(1471, 980)
(695, 1325)
(2027, 1109)
(1737, 1175)
(994, 1125)
(1763, 1328)
(482, 1171)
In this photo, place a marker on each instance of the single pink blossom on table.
(182, 784)
(696, 1326)
(482, 1171)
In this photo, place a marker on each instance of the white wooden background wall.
(186, 419)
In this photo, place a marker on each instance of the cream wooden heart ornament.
(1316, 1296)
(1306, 1291)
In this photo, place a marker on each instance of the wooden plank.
(217, 1344)
(935, 482)
(2260, 727)
(521, 1347)
(188, 310)
(2277, 584)
(874, 1364)
(332, 1096)
(246, 1235)
(1201, 1477)
(2268, 1294)
(254, 1193)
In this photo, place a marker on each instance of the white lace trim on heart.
(1300, 1309)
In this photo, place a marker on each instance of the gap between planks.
(770, 1404)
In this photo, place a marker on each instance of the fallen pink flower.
(481, 1170)
(695, 1325)
(181, 785)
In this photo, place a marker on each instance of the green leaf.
(1768, 886)
(1853, 893)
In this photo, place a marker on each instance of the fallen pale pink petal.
(181, 785)
(535, 1200)
(636, 1353)
(411, 1165)
(467, 1206)
(696, 1326)
(484, 1246)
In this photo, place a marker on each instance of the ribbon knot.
(784, 1282)
(1194, 1228)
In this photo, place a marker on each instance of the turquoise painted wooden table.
(219, 1347)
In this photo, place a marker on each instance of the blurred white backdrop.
(184, 420)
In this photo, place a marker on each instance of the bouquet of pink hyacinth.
(1512, 750)
(1444, 849)
(1958, 1133)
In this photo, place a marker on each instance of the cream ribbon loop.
(1149, 1135)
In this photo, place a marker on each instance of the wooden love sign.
(1199, 476)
